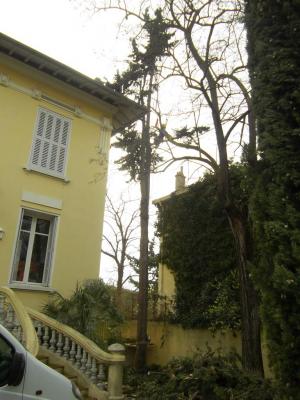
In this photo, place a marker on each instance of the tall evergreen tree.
(139, 142)
(274, 62)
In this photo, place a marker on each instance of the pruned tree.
(140, 81)
(121, 232)
(209, 57)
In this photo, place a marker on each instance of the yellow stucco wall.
(77, 248)
(166, 282)
(170, 340)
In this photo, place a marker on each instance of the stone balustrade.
(34, 329)
(64, 346)
(13, 317)
(9, 319)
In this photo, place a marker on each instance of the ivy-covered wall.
(198, 247)
(274, 62)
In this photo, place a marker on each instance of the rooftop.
(127, 110)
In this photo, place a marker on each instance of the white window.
(50, 143)
(34, 248)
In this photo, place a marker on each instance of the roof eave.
(127, 110)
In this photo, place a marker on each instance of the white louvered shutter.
(50, 143)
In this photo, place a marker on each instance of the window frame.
(50, 251)
(39, 168)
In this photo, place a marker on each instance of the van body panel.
(39, 381)
(11, 392)
(39, 378)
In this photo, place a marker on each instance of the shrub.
(206, 376)
(90, 305)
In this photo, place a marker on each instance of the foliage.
(274, 61)
(144, 61)
(131, 142)
(198, 247)
(209, 376)
(89, 305)
(137, 82)
(153, 259)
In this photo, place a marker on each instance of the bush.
(206, 376)
(90, 305)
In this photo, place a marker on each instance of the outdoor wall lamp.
(1, 233)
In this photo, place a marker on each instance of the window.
(50, 143)
(6, 357)
(34, 248)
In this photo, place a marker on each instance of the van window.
(6, 356)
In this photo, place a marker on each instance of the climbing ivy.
(198, 247)
(274, 62)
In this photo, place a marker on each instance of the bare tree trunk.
(119, 290)
(141, 350)
(251, 327)
(140, 358)
(251, 342)
(117, 243)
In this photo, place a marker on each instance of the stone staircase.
(63, 368)
(97, 374)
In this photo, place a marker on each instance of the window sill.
(28, 286)
(37, 171)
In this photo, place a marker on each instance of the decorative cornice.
(103, 122)
(42, 200)
(125, 111)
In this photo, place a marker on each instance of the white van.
(23, 377)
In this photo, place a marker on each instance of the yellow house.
(166, 281)
(55, 128)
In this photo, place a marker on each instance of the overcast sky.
(87, 43)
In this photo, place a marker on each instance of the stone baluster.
(59, 344)
(78, 357)
(16, 328)
(115, 374)
(83, 362)
(101, 377)
(94, 370)
(72, 352)
(46, 337)
(10, 318)
(20, 335)
(66, 348)
(2, 308)
(52, 340)
(39, 332)
(88, 366)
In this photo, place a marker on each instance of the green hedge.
(274, 61)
